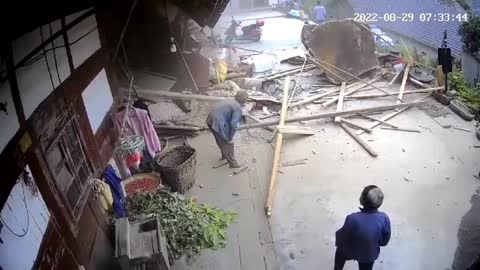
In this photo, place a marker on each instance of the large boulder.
(345, 44)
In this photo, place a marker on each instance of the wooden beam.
(174, 95)
(393, 114)
(296, 130)
(359, 141)
(341, 95)
(332, 114)
(350, 92)
(404, 83)
(395, 93)
(396, 76)
(278, 150)
(256, 120)
(377, 120)
(355, 125)
(313, 98)
(67, 46)
(403, 129)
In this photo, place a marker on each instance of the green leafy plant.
(189, 227)
(468, 95)
(469, 32)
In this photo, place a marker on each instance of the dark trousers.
(227, 149)
(340, 262)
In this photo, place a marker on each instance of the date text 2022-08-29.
(411, 17)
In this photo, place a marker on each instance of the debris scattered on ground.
(188, 226)
(295, 162)
(407, 180)
(235, 194)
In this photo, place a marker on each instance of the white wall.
(34, 80)
(88, 45)
(19, 253)
(98, 99)
(8, 123)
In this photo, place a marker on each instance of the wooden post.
(340, 101)
(278, 150)
(396, 76)
(404, 82)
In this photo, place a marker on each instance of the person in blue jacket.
(223, 122)
(364, 232)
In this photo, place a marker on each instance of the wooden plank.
(355, 125)
(402, 129)
(278, 150)
(296, 130)
(295, 162)
(256, 120)
(359, 141)
(341, 95)
(391, 115)
(394, 93)
(313, 98)
(174, 95)
(377, 120)
(396, 76)
(350, 92)
(332, 114)
(404, 83)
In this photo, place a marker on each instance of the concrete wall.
(471, 68)
(98, 99)
(16, 252)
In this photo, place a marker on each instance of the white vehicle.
(381, 39)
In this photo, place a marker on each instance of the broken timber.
(256, 120)
(174, 95)
(352, 124)
(350, 92)
(360, 141)
(295, 130)
(312, 98)
(332, 114)
(393, 114)
(402, 129)
(341, 95)
(377, 120)
(278, 150)
(395, 93)
(404, 83)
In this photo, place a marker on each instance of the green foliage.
(469, 31)
(468, 95)
(189, 227)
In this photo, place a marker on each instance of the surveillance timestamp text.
(410, 17)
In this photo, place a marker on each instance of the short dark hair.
(319, 2)
(371, 197)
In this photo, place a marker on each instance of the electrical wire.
(54, 54)
(40, 55)
(25, 231)
(46, 60)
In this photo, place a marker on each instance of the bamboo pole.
(351, 91)
(278, 150)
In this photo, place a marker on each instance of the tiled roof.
(429, 33)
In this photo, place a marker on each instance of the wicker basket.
(177, 167)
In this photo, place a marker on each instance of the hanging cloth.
(138, 123)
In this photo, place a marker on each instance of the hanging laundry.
(114, 182)
(138, 123)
